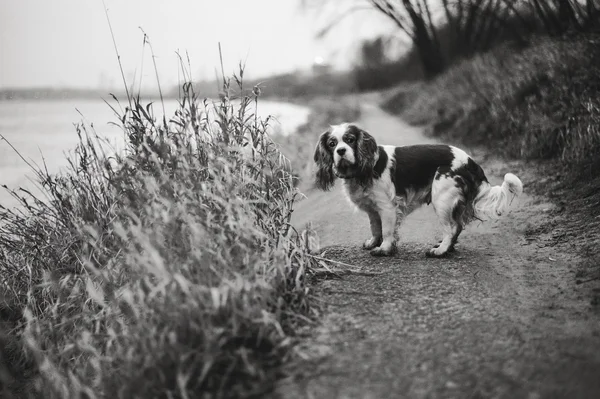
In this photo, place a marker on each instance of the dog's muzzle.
(344, 169)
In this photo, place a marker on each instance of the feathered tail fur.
(492, 202)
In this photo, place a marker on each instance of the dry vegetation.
(168, 271)
(536, 103)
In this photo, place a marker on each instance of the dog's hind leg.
(458, 216)
(448, 201)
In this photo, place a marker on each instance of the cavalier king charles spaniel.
(389, 182)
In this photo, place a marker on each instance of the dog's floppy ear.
(367, 150)
(325, 178)
(366, 144)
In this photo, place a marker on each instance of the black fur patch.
(364, 150)
(324, 178)
(467, 178)
(381, 163)
(416, 165)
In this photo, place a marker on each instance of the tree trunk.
(431, 58)
(427, 46)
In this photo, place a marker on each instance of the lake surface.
(45, 131)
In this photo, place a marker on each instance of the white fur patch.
(460, 158)
(338, 132)
(378, 196)
(493, 201)
(390, 151)
(444, 195)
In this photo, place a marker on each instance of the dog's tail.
(492, 202)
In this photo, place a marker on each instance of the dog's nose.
(341, 151)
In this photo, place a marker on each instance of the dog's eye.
(350, 140)
(332, 144)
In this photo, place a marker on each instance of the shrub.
(169, 270)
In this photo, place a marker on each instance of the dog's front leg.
(376, 235)
(388, 227)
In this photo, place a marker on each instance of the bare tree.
(477, 24)
(415, 18)
(556, 17)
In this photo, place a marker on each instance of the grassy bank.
(167, 271)
(537, 103)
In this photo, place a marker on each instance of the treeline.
(287, 85)
(46, 93)
(442, 33)
(446, 31)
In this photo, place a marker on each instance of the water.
(44, 131)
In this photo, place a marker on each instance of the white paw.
(383, 250)
(436, 253)
(372, 243)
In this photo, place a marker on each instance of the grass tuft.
(167, 270)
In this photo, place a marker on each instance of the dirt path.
(501, 318)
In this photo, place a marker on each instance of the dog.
(389, 182)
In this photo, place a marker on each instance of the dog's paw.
(450, 250)
(436, 252)
(372, 243)
(383, 251)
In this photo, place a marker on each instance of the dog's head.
(345, 151)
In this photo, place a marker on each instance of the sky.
(67, 43)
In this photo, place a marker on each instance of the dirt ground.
(502, 317)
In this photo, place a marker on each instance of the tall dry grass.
(169, 270)
(537, 103)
